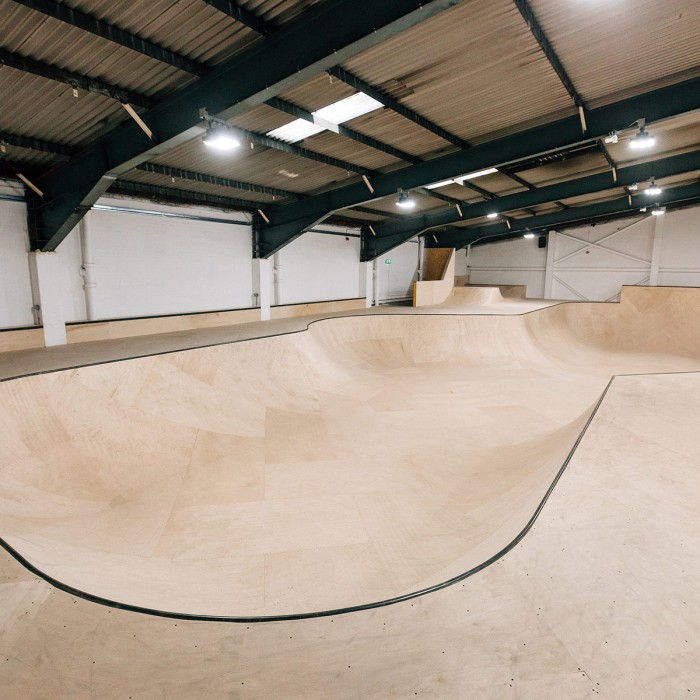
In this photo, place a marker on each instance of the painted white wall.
(395, 281)
(148, 265)
(319, 267)
(592, 262)
(518, 261)
(15, 289)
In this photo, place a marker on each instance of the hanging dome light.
(404, 201)
(220, 138)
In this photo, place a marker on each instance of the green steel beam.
(394, 105)
(396, 232)
(325, 34)
(180, 174)
(671, 198)
(289, 220)
(33, 144)
(300, 113)
(92, 24)
(75, 80)
(240, 14)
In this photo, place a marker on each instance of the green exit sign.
(387, 261)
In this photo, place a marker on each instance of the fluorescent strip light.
(435, 185)
(478, 173)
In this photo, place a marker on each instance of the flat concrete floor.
(433, 441)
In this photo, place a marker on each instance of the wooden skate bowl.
(365, 459)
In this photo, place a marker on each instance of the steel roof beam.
(289, 220)
(173, 194)
(75, 80)
(548, 50)
(180, 174)
(240, 14)
(33, 144)
(396, 232)
(288, 58)
(91, 24)
(300, 113)
(394, 105)
(672, 197)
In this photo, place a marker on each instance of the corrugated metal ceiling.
(610, 48)
(475, 70)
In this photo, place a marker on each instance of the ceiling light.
(443, 183)
(529, 235)
(653, 189)
(478, 173)
(612, 138)
(221, 138)
(643, 140)
(633, 187)
(492, 215)
(404, 201)
(658, 211)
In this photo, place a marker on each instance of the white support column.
(87, 268)
(375, 283)
(659, 223)
(276, 279)
(262, 285)
(549, 265)
(43, 268)
(366, 271)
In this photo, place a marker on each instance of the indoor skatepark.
(349, 349)
(468, 423)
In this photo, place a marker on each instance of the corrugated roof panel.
(475, 70)
(391, 128)
(30, 157)
(262, 119)
(321, 91)
(194, 186)
(260, 165)
(616, 48)
(331, 144)
(193, 29)
(51, 41)
(44, 109)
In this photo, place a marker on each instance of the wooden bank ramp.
(366, 459)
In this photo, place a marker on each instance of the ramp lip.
(195, 617)
(304, 329)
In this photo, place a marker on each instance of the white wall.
(147, 265)
(319, 267)
(518, 261)
(15, 290)
(395, 280)
(592, 262)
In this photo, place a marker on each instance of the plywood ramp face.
(600, 599)
(366, 458)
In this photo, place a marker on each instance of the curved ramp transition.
(366, 458)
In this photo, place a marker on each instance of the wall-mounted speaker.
(542, 242)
